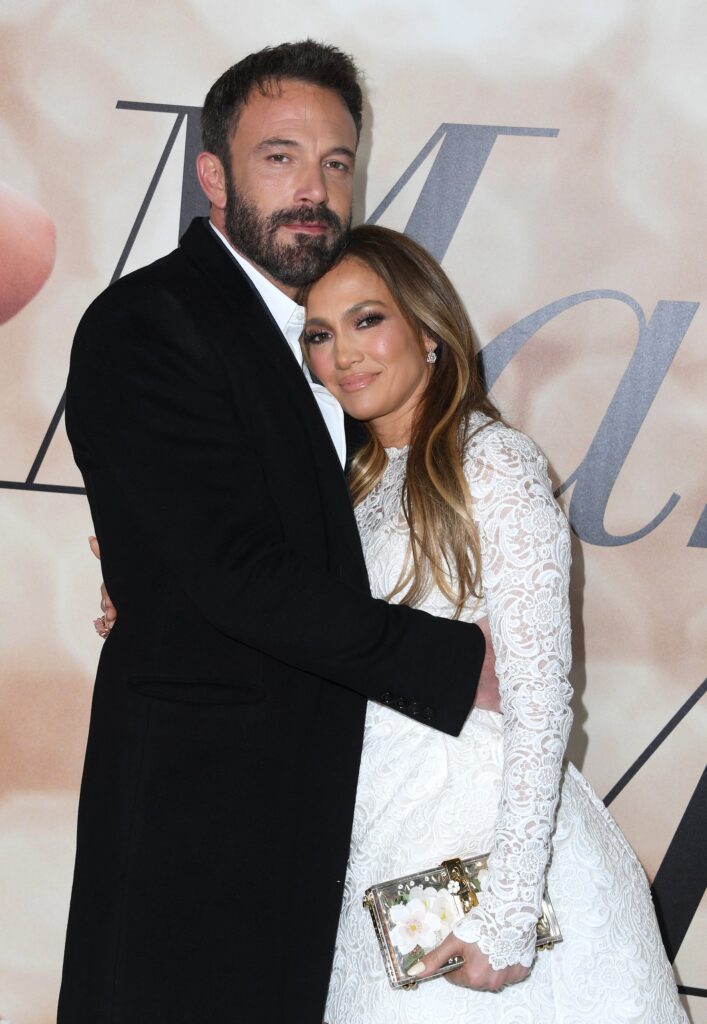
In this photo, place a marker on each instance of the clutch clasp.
(457, 875)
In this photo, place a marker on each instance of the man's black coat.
(228, 712)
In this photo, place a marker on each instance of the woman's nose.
(345, 353)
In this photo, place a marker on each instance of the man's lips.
(306, 228)
(356, 381)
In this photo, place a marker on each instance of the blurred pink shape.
(27, 250)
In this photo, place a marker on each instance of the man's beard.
(303, 260)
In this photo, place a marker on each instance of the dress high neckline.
(396, 453)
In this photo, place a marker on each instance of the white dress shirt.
(289, 317)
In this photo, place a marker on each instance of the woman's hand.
(476, 971)
(106, 622)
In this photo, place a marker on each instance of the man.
(227, 721)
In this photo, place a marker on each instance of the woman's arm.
(525, 551)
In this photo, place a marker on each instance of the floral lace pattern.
(525, 561)
(424, 796)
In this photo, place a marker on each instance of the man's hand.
(103, 625)
(476, 971)
(487, 696)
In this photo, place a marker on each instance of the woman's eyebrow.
(321, 322)
(362, 305)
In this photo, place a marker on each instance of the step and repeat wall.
(553, 156)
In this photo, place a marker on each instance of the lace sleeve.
(525, 556)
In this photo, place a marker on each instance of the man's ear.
(212, 178)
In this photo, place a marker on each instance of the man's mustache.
(305, 215)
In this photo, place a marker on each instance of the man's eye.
(337, 165)
(278, 158)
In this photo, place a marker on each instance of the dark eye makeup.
(368, 320)
(363, 322)
(315, 337)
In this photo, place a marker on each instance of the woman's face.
(364, 351)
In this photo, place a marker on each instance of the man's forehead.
(298, 105)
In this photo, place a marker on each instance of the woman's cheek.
(321, 366)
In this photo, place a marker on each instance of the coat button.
(428, 713)
(387, 697)
(414, 708)
(401, 703)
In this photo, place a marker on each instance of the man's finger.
(95, 547)
(107, 607)
(487, 696)
(101, 628)
(485, 628)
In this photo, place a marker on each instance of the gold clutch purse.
(413, 914)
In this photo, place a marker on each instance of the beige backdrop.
(615, 201)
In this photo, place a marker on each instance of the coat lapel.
(235, 290)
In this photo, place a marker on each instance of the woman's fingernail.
(416, 970)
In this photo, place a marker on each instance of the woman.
(457, 516)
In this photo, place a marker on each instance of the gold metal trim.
(455, 870)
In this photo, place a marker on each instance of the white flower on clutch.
(427, 896)
(453, 886)
(444, 907)
(415, 925)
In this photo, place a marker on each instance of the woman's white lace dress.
(424, 796)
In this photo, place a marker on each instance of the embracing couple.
(288, 707)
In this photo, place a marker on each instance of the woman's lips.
(356, 381)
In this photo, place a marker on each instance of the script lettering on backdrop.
(433, 222)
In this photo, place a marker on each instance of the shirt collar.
(284, 310)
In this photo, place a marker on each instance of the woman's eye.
(315, 337)
(370, 320)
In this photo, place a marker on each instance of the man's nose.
(311, 186)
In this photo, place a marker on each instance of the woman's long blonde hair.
(444, 540)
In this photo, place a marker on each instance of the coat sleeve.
(148, 404)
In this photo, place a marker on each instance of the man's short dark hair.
(307, 61)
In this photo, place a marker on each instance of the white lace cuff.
(504, 948)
